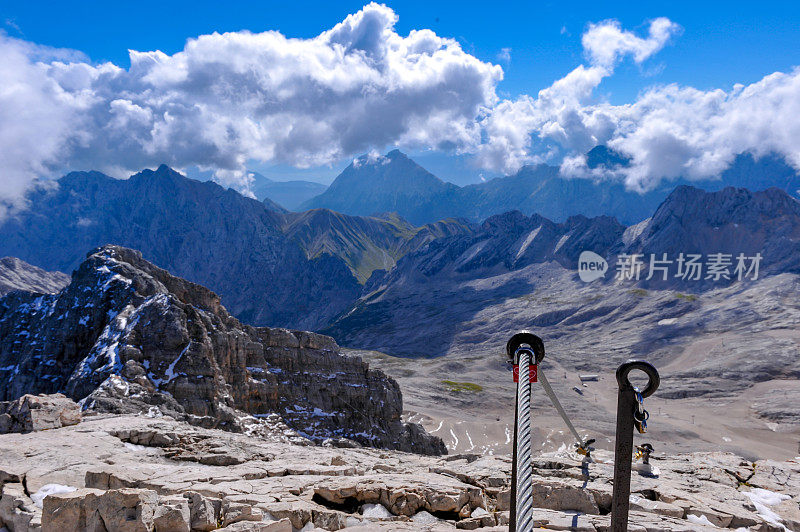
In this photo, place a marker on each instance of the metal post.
(623, 450)
(523, 349)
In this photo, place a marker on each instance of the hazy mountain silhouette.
(288, 194)
(396, 183)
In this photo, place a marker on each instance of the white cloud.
(675, 131)
(668, 131)
(562, 120)
(504, 55)
(606, 43)
(36, 114)
(229, 98)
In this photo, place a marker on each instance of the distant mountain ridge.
(365, 243)
(201, 231)
(269, 266)
(731, 221)
(322, 268)
(288, 194)
(396, 183)
(16, 274)
(390, 183)
(508, 256)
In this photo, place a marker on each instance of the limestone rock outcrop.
(31, 413)
(127, 337)
(138, 473)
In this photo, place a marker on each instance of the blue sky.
(536, 43)
(722, 42)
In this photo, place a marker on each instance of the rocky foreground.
(191, 420)
(140, 473)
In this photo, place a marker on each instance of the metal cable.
(523, 446)
(556, 403)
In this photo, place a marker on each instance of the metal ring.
(647, 367)
(525, 338)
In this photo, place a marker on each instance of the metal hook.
(647, 367)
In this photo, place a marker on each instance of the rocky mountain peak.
(394, 155)
(604, 156)
(83, 180)
(731, 221)
(126, 336)
(198, 230)
(689, 205)
(388, 183)
(508, 221)
(374, 159)
(395, 165)
(166, 177)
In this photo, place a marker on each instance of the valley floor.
(729, 362)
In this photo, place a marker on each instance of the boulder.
(123, 510)
(172, 515)
(204, 511)
(558, 495)
(405, 495)
(298, 512)
(656, 507)
(38, 412)
(473, 523)
(235, 512)
(66, 511)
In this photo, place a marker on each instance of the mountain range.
(269, 266)
(444, 297)
(395, 183)
(199, 230)
(727, 350)
(512, 255)
(321, 268)
(165, 366)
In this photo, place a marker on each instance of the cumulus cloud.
(35, 117)
(605, 43)
(227, 99)
(673, 131)
(562, 120)
(667, 131)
